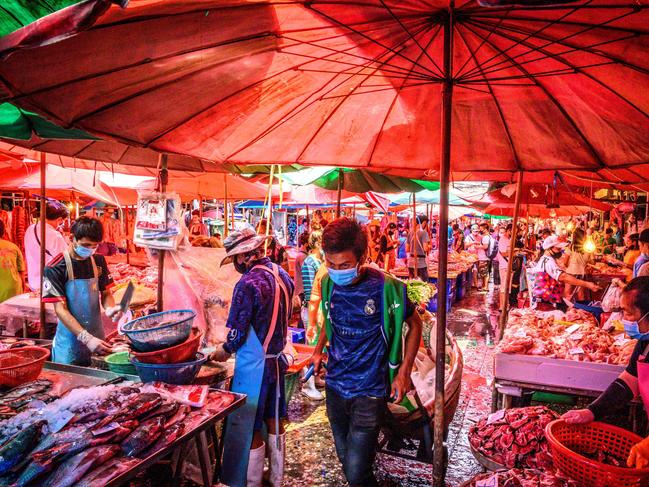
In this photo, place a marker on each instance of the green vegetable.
(420, 292)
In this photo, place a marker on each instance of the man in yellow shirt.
(12, 268)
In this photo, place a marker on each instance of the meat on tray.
(524, 478)
(515, 437)
(575, 336)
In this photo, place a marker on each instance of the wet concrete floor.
(311, 457)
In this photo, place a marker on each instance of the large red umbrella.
(421, 86)
(357, 84)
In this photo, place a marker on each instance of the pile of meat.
(515, 437)
(123, 273)
(522, 478)
(574, 335)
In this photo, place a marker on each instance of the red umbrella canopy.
(357, 84)
(540, 200)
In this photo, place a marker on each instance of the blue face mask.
(83, 252)
(343, 277)
(633, 329)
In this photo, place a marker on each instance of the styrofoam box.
(530, 369)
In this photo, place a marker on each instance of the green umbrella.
(15, 14)
(16, 123)
(357, 180)
(428, 198)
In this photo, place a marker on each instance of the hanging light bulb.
(589, 245)
(571, 226)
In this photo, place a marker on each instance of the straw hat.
(242, 242)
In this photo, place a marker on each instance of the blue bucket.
(182, 373)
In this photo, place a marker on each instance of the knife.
(128, 296)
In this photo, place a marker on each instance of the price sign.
(497, 416)
(576, 351)
(489, 482)
(572, 328)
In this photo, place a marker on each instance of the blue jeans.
(355, 424)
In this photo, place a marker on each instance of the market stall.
(91, 427)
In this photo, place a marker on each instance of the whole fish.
(34, 470)
(135, 407)
(108, 471)
(27, 389)
(143, 436)
(83, 441)
(108, 407)
(179, 416)
(70, 472)
(14, 451)
(171, 434)
(65, 435)
(166, 409)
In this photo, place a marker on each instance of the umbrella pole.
(340, 191)
(508, 282)
(128, 242)
(42, 224)
(164, 177)
(226, 215)
(439, 448)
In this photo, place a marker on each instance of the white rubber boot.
(276, 459)
(309, 390)
(256, 466)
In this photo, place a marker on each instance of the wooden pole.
(42, 224)
(414, 213)
(128, 240)
(439, 448)
(164, 178)
(340, 191)
(512, 246)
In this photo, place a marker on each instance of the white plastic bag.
(611, 299)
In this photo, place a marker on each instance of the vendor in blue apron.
(258, 321)
(78, 283)
(634, 381)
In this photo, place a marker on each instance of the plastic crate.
(298, 335)
(460, 286)
(432, 305)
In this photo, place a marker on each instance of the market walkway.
(311, 456)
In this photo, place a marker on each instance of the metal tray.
(239, 401)
(38, 342)
(486, 462)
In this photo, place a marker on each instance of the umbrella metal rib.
(563, 111)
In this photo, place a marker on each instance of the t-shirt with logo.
(358, 350)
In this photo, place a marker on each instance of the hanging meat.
(20, 224)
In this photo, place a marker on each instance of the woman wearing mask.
(387, 245)
(634, 380)
(577, 262)
(551, 278)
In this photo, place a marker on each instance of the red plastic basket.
(21, 365)
(565, 438)
(173, 355)
(304, 353)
